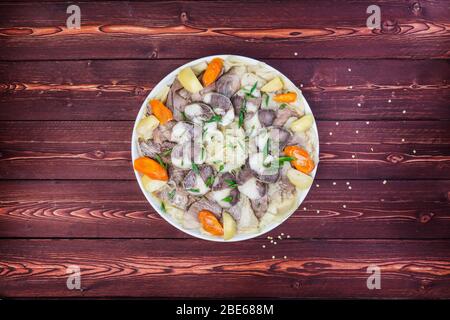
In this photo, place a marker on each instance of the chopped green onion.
(195, 168)
(214, 118)
(210, 181)
(267, 100)
(227, 199)
(166, 152)
(241, 119)
(253, 88)
(158, 158)
(203, 152)
(242, 113)
(283, 105)
(231, 183)
(194, 190)
(279, 163)
(163, 207)
(282, 160)
(171, 194)
(184, 116)
(221, 167)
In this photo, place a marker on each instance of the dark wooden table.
(68, 194)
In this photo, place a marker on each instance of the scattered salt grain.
(403, 140)
(334, 183)
(371, 149)
(404, 111)
(273, 257)
(317, 185)
(347, 183)
(318, 211)
(295, 53)
(357, 131)
(282, 234)
(353, 156)
(389, 100)
(349, 70)
(351, 87)
(344, 206)
(274, 242)
(331, 133)
(359, 104)
(288, 236)
(337, 123)
(384, 182)
(414, 151)
(367, 122)
(263, 245)
(284, 257)
(304, 208)
(350, 187)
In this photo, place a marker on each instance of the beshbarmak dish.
(225, 148)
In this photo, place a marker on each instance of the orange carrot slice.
(285, 97)
(212, 71)
(151, 168)
(161, 111)
(210, 223)
(302, 161)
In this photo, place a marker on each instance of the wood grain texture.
(101, 150)
(115, 90)
(150, 30)
(117, 209)
(68, 196)
(169, 268)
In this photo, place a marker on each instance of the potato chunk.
(299, 179)
(146, 126)
(302, 124)
(189, 81)
(229, 226)
(273, 85)
(151, 185)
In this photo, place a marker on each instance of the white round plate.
(155, 203)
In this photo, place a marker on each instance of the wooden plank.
(150, 30)
(101, 150)
(186, 268)
(117, 209)
(115, 90)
